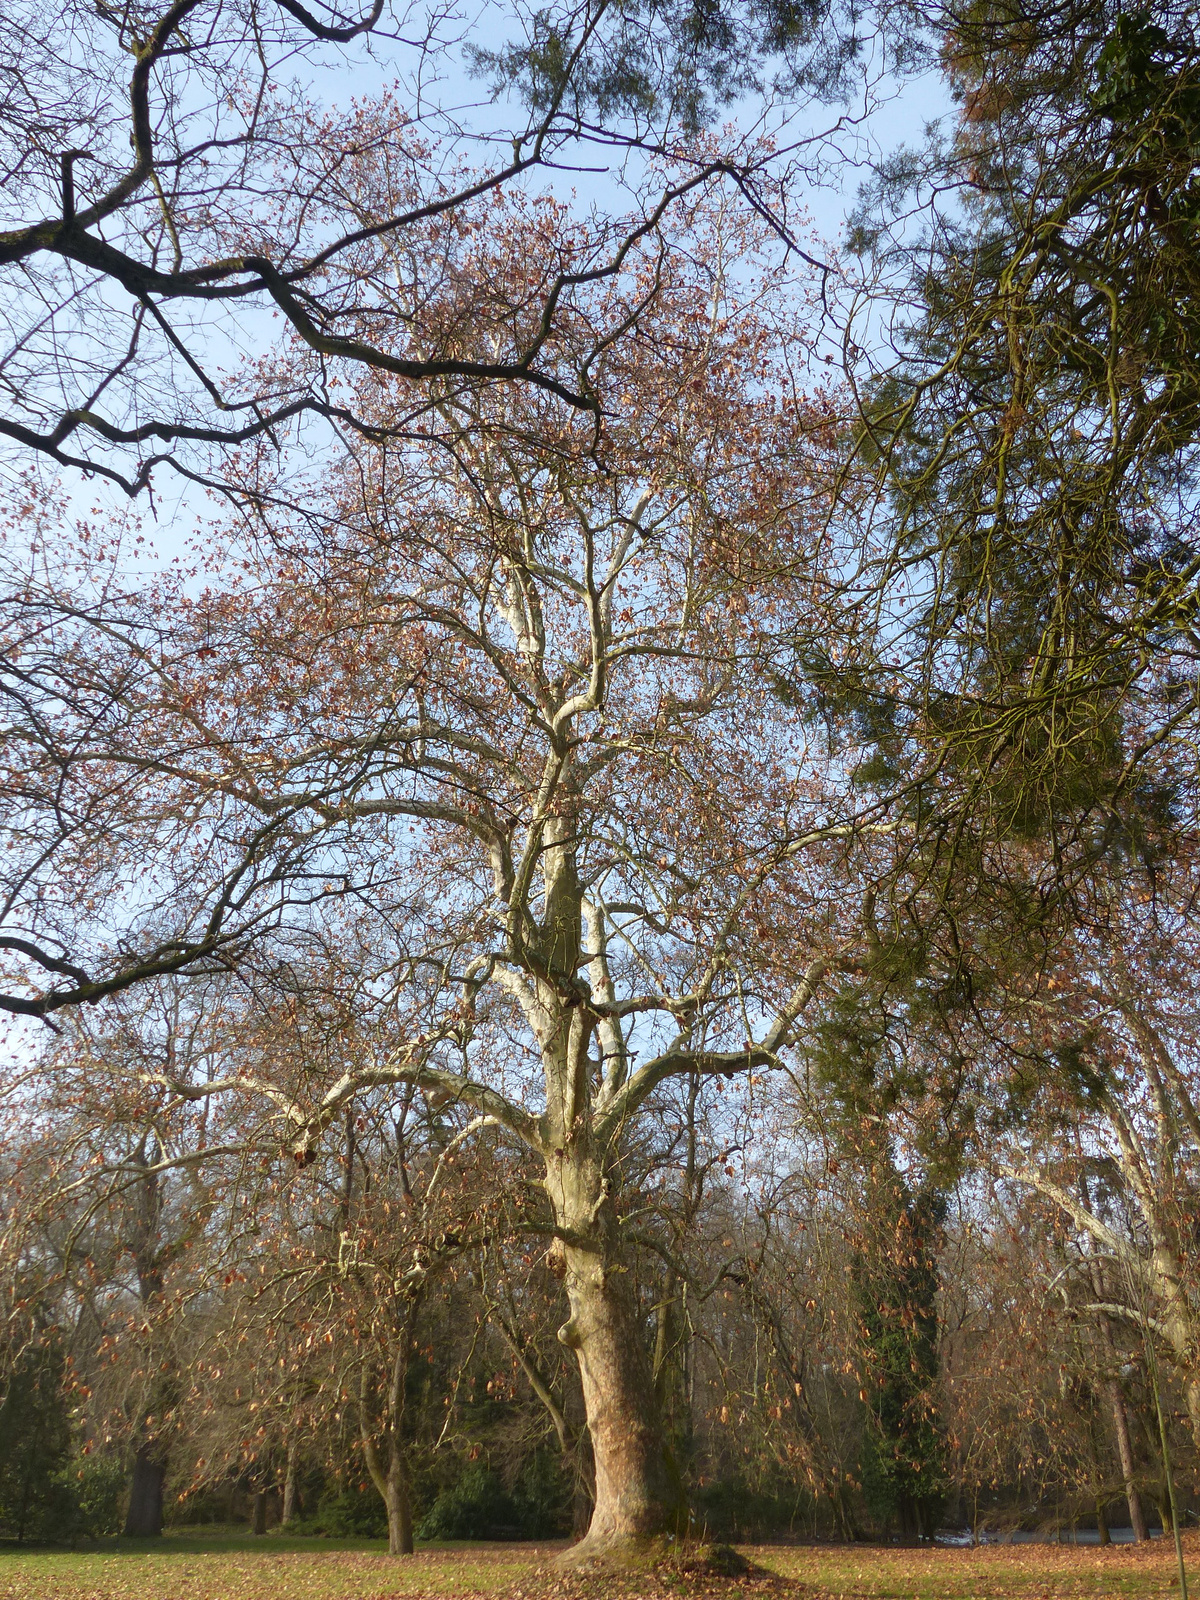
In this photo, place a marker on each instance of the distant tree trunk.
(383, 1448)
(390, 1477)
(583, 1492)
(843, 1512)
(399, 1511)
(1102, 1522)
(144, 1518)
(289, 1487)
(1164, 1510)
(1137, 1517)
(1103, 1535)
(259, 1523)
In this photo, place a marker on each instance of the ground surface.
(242, 1568)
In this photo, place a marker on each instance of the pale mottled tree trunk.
(638, 1491)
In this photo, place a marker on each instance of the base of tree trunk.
(631, 1553)
(399, 1515)
(144, 1518)
(659, 1569)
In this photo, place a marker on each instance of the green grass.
(195, 1566)
(995, 1572)
(199, 1564)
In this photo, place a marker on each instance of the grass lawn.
(239, 1567)
(993, 1572)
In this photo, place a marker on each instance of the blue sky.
(441, 84)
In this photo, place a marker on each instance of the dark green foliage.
(36, 1500)
(353, 1511)
(867, 1072)
(904, 1459)
(48, 1491)
(685, 59)
(1037, 446)
(99, 1484)
(478, 1506)
(733, 1507)
(542, 1497)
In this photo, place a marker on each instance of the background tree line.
(849, 1334)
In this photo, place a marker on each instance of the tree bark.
(391, 1480)
(639, 1495)
(144, 1518)
(1116, 1396)
(1137, 1517)
(289, 1488)
(1164, 1511)
(1104, 1536)
(638, 1490)
(1191, 1391)
(399, 1510)
(259, 1523)
(386, 1464)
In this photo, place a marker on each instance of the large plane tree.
(506, 705)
